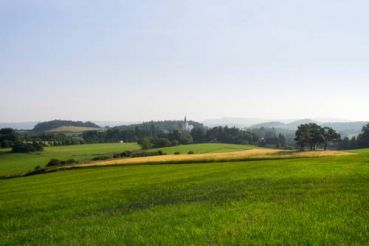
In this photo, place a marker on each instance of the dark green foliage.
(101, 158)
(126, 153)
(135, 132)
(145, 143)
(329, 135)
(144, 154)
(27, 147)
(177, 153)
(71, 161)
(129, 154)
(313, 135)
(191, 152)
(53, 162)
(49, 125)
(363, 138)
(55, 139)
(225, 135)
(116, 156)
(8, 137)
(199, 135)
(348, 143)
(56, 162)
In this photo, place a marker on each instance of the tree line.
(225, 134)
(168, 133)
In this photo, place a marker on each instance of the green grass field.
(205, 148)
(309, 201)
(11, 163)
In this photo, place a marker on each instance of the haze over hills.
(29, 125)
(233, 121)
(346, 128)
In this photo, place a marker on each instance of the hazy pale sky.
(142, 60)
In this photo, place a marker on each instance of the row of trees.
(199, 135)
(360, 141)
(9, 138)
(152, 135)
(313, 135)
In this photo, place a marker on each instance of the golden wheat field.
(252, 154)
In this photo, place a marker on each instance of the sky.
(143, 60)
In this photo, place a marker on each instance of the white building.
(186, 126)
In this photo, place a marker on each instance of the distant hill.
(289, 126)
(229, 121)
(67, 125)
(344, 128)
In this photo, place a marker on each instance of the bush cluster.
(128, 154)
(27, 147)
(56, 162)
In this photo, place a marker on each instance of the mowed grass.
(308, 201)
(11, 163)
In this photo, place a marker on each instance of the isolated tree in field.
(329, 135)
(314, 135)
(303, 136)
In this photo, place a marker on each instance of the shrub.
(126, 154)
(191, 152)
(116, 156)
(53, 162)
(27, 147)
(71, 161)
(101, 158)
(177, 153)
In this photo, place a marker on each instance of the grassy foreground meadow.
(290, 201)
(11, 163)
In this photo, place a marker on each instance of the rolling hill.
(344, 128)
(64, 126)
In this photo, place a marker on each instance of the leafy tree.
(8, 137)
(303, 136)
(329, 135)
(161, 142)
(363, 138)
(145, 143)
(314, 135)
